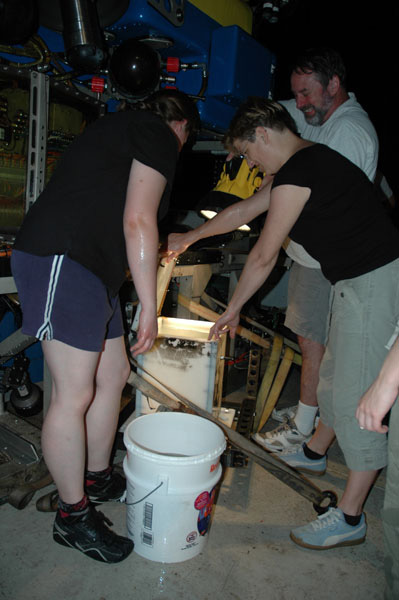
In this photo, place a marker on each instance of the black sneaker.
(109, 490)
(89, 534)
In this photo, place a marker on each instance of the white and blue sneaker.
(286, 435)
(330, 530)
(295, 457)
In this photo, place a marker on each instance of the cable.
(144, 497)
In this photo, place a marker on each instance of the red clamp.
(97, 84)
(172, 64)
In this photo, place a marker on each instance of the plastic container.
(183, 358)
(172, 467)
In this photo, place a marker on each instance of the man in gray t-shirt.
(324, 112)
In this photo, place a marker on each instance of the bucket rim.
(154, 456)
(134, 447)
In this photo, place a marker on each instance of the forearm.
(285, 207)
(389, 374)
(224, 222)
(254, 274)
(142, 254)
(228, 220)
(233, 216)
(381, 395)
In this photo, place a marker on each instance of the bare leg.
(102, 416)
(63, 433)
(64, 439)
(321, 439)
(312, 355)
(358, 483)
(357, 488)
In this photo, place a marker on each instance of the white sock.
(304, 418)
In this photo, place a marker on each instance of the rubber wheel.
(48, 502)
(333, 501)
(20, 497)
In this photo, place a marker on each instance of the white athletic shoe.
(282, 414)
(284, 436)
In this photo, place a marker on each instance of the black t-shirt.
(80, 212)
(343, 224)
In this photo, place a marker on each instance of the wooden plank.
(287, 342)
(192, 283)
(277, 386)
(268, 377)
(219, 375)
(267, 460)
(164, 275)
(210, 315)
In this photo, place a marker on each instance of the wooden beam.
(219, 375)
(271, 400)
(287, 342)
(210, 315)
(268, 378)
(267, 460)
(164, 275)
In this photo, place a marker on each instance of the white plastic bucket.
(172, 466)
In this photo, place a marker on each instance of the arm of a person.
(144, 191)
(286, 204)
(381, 395)
(229, 219)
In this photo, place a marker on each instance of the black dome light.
(135, 68)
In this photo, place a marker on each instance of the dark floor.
(248, 555)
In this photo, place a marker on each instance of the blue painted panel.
(237, 65)
(192, 38)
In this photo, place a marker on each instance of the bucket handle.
(146, 496)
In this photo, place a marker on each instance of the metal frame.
(38, 126)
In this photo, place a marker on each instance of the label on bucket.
(214, 466)
(192, 540)
(147, 524)
(204, 503)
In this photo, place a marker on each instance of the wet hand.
(228, 322)
(177, 243)
(146, 334)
